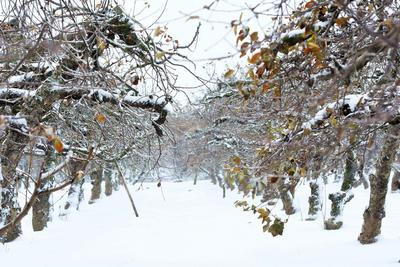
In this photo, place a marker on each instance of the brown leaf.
(229, 73)
(255, 58)
(254, 36)
(342, 21)
(266, 87)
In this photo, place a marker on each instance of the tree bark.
(314, 201)
(340, 199)
(75, 193)
(349, 171)
(375, 211)
(96, 177)
(286, 196)
(41, 206)
(41, 212)
(108, 187)
(395, 186)
(11, 152)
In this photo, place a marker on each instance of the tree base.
(332, 224)
(371, 228)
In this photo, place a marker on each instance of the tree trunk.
(96, 177)
(41, 212)
(11, 152)
(395, 186)
(196, 173)
(349, 171)
(108, 187)
(41, 207)
(286, 196)
(339, 199)
(75, 193)
(314, 201)
(375, 212)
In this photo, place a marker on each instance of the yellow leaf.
(160, 55)
(303, 172)
(101, 45)
(100, 118)
(251, 74)
(334, 121)
(158, 31)
(235, 29)
(229, 73)
(277, 92)
(79, 175)
(236, 169)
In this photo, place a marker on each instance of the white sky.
(216, 37)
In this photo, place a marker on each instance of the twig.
(122, 179)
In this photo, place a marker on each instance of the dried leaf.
(79, 175)
(266, 87)
(255, 58)
(307, 131)
(158, 31)
(160, 54)
(303, 172)
(229, 73)
(100, 118)
(277, 92)
(101, 44)
(58, 145)
(236, 160)
(342, 21)
(334, 121)
(254, 36)
(193, 17)
(276, 228)
(309, 4)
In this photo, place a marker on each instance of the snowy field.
(194, 226)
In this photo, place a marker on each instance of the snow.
(195, 226)
(21, 78)
(322, 114)
(292, 33)
(146, 99)
(101, 94)
(19, 122)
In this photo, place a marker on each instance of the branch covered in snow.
(11, 96)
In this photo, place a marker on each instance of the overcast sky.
(216, 37)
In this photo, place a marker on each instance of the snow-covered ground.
(194, 226)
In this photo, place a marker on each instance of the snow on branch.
(156, 104)
(346, 105)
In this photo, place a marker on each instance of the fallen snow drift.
(194, 226)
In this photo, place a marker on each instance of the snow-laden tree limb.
(13, 96)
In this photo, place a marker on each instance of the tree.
(327, 77)
(76, 77)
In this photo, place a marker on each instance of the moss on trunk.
(375, 211)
